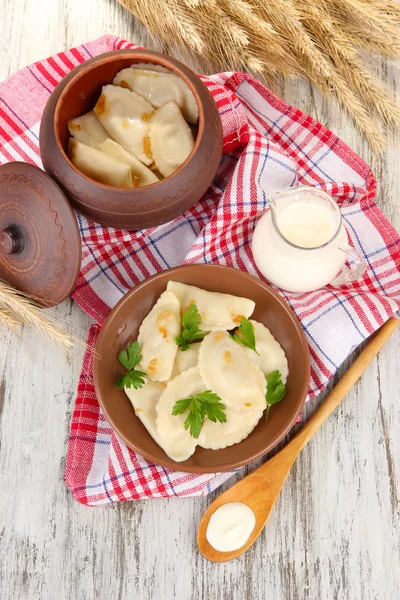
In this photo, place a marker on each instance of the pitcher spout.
(273, 205)
(279, 200)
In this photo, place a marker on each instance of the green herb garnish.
(191, 331)
(245, 334)
(275, 390)
(129, 358)
(200, 406)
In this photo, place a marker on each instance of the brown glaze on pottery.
(142, 207)
(121, 328)
(40, 245)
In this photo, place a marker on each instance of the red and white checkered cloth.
(268, 146)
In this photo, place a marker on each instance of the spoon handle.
(292, 449)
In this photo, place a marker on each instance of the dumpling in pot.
(99, 166)
(218, 311)
(171, 138)
(157, 335)
(271, 356)
(159, 87)
(126, 117)
(88, 130)
(238, 426)
(144, 400)
(141, 175)
(151, 67)
(175, 440)
(186, 359)
(227, 371)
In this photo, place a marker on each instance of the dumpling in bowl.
(141, 175)
(175, 440)
(186, 359)
(171, 139)
(157, 335)
(159, 87)
(238, 426)
(271, 356)
(99, 166)
(144, 400)
(218, 311)
(227, 371)
(126, 117)
(88, 130)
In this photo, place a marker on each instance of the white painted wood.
(334, 533)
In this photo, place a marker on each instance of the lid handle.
(11, 240)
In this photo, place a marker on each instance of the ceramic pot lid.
(40, 244)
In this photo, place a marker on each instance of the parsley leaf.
(181, 406)
(275, 390)
(191, 331)
(202, 405)
(246, 335)
(129, 358)
(132, 379)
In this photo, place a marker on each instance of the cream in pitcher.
(300, 244)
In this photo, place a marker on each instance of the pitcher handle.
(355, 271)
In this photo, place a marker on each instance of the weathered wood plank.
(335, 530)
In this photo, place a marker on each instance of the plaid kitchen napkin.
(268, 146)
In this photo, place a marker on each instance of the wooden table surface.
(334, 533)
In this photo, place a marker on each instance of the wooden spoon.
(260, 489)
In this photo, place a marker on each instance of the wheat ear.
(369, 26)
(344, 56)
(8, 319)
(17, 310)
(320, 69)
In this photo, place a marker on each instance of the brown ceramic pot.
(152, 205)
(121, 328)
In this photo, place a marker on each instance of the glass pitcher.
(300, 244)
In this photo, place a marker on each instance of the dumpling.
(88, 130)
(238, 426)
(144, 400)
(141, 175)
(227, 371)
(175, 440)
(126, 117)
(171, 139)
(218, 311)
(189, 106)
(159, 87)
(157, 335)
(186, 359)
(151, 67)
(99, 166)
(270, 355)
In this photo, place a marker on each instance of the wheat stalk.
(17, 309)
(268, 55)
(178, 17)
(369, 19)
(317, 39)
(374, 26)
(344, 56)
(9, 320)
(320, 68)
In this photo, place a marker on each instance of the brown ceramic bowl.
(148, 206)
(121, 328)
